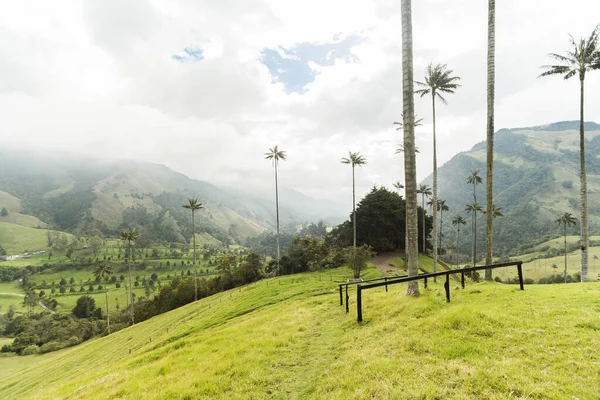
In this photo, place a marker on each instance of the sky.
(207, 87)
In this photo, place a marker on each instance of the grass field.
(23, 220)
(17, 239)
(293, 340)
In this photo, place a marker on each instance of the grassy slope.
(9, 201)
(293, 340)
(23, 220)
(16, 238)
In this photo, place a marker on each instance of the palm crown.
(103, 270)
(424, 190)
(275, 154)
(438, 80)
(130, 235)
(459, 220)
(474, 178)
(354, 159)
(193, 204)
(473, 207)
(566, 219)
(584, 57)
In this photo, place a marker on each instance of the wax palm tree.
(489, 182)
(442, 206)
(438, 82)
(458, 221)
(103, 271)
(474, 179)
(398, 186)
(275, 155)
(410, 166)
(566, 220)
(473, 209)
(194, 206)
(583, 58)
(354, 159)
(129, 236)
(424, 191)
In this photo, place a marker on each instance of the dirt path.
(39, 302)
(382, 262)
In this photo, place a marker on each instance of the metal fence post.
(386, 287)
(462, 279)
(425, 283)
(341, 296)
(520, 271)
(347, 298)
(359, 302)
(447, 287)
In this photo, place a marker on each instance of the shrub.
(50, 346)
(30, 350)
(498, 279)
(6, 348)
(74, 341)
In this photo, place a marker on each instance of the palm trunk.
(423, 234)
(435, 192)
(354, 220)
(441, 226)
(277, 216)
(584, 207)
(410, 163)
(194, 244)
(473, 239)
(490, 136)
(130, 287)
(107, 314)
(565, 235)
(457, 245)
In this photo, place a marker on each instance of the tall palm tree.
(438, 82)
(275, 155)
(354, 159)
(424, 191)
(442, 206)
(398, 186)
(194, 206)
(474, 179)
(583, 58)
(103, 271)
(458, 221)
(129, 236)
(566, 220)
(473, 209)
(410, 165)
(489, 182)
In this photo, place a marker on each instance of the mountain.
(536, 178)
(80, 195)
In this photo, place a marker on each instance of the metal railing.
(392, 281)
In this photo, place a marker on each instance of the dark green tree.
(85, 307)
(4, 212)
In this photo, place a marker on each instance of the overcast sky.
(206, 87)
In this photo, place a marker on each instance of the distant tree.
(85, 307)
(2, 251)
(275, 155)
(4, 212)
(473, 209)
(62, 290)
(354, 159)
(566, 220)
(60, 244)
(441, 207)
(194, 206)
(458, 221)
(30, 301)
(251, 268)
(72, 280)
(358, 261)
(103, 271)
(95, 244)
(583, 58)
(424, 191)
(129, 236)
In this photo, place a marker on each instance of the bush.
(30, 350)
(50, 346)
(74, 341)
(498, 279)
(6, 349)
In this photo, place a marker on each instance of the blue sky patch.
(189, 54)
(290, 66)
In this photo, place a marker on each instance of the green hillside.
(289, 338)
(536, 179)
(17, 239)
(23, 220)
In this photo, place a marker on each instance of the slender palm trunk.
(410, 163)
(435, 192)
(354, 220)
(194, 244)
(565, 236)
(130, 287)
(423, 233)
(490, 136)
(441, 226)
(277, 216)
(473, 239)
(107, 314)
(583, 177)
(457, 245)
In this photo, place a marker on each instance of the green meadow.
(289, 338)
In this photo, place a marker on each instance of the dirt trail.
(382, 262)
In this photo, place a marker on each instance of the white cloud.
(98, 78)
